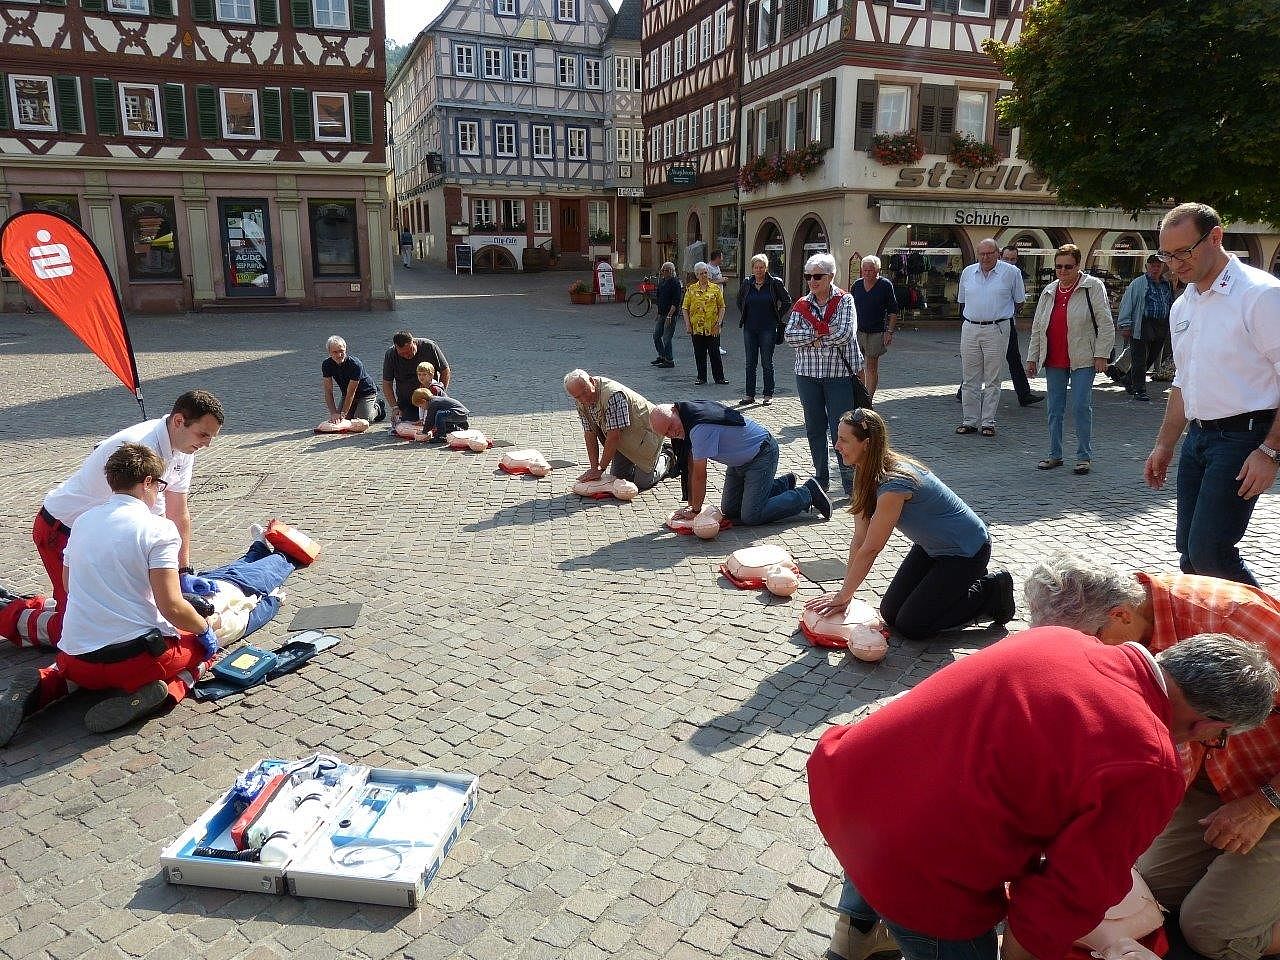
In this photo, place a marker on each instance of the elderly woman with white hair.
(669, 297)
(357, 394)
(821, 329)
(763, 306)
(703, 319)
(1229, 905)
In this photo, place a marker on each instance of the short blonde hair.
(760, 258)
(420, 397)
(428, 368)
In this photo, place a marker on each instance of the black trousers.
(1017, 370)
(704, 344)
(932, 594)
(1145, 353)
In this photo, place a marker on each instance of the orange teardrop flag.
(56, 261)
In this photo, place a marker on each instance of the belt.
(54, 522)
(987, 323)
(1241, 421)
(152, 642)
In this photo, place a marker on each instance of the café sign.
(1007, 177)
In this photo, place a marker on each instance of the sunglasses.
(816, 276)
(1064, 266)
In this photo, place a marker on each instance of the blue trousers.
(257, 573)
(759, 344)
(916, 945)
(753, 495)
(1212, 516)
(824, 401)
(1081, 382)
(663, 331)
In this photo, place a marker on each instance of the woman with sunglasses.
(1071, 337)
(943, 582)
(821, 328)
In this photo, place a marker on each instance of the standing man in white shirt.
(194, 421)
(990, 293)
(1226, 343)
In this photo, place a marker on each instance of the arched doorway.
(694, 231)
(769, 242)
(1243, 245)
(924, 262)
(811, 238)
(494, 260)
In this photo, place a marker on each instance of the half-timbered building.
(219, 152)
(869, 127)
(691, 55)
(624, 131)
(499, 123)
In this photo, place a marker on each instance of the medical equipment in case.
(323, 828)
(245, 665)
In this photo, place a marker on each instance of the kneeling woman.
(943, 582)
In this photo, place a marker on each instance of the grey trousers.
(624, 469)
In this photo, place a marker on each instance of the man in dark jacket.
(669, 296)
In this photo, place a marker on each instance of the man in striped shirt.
(1219, 858)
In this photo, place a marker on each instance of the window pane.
(974, 8)
(238, 11)
(331, 116)
(140, 108)
(333, 238)
(892, 113)
(33, 103)
(519, 65)
(542, 216)
(971, 114)
(150, 244)
(240, 114)
(332, 13)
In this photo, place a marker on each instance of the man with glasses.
(1230, 905)
(1226, 345)
(991, 291)
(1144, 322)
(191, 425)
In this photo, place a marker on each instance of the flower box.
(582, 298)
(895, 149)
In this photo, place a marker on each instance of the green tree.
(1136, 104)
(396, 52)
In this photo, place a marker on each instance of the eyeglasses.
(161, 485)
(1064, 266)
(816, 276)
(1183, 255)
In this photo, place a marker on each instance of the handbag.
(860, 396)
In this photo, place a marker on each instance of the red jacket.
(1047, 743)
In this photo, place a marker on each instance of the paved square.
(640, 728)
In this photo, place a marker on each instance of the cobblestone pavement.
(640, 729)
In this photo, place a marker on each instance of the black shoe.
(722, 382)
(821, 502)
(790, 478)
(699, 383)
(1030, 399)
(1142, 397)
(1002, 604)
(16, 704)
(667, 363)
(656, 363)
(767, 400)
(746, 401)
(119, 711)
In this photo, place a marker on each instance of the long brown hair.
(879, 463)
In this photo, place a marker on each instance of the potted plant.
(484, 226)
(895, 149)
(970, 152)
(515, 226)
(581, 292)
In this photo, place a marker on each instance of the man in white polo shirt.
(991, 291)
(128, 626)
(194, 421)
(1226, 344)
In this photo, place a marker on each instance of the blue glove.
(200, 586)
(209, 642)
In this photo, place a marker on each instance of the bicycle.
(641, 302)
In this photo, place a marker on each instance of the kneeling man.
(703, 430)
(1218, 861)
(616, 418)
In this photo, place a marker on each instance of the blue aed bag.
(245, 666)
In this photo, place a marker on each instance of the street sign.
(631, 192)
(681, 175)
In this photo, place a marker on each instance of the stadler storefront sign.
(1011, 177)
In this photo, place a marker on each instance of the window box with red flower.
(971, 153)
(895, 149)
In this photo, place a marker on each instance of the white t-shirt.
(113, 548)
(88, 487)
(714, 273)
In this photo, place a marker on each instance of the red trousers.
(50, 540)
(179, 667)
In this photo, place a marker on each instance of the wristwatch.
(1271, 794)
(1272, 455)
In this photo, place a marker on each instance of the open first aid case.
(324, 828)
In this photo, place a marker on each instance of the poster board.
(604, 280)
(462, 258)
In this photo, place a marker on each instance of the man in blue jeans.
(1226, 344)
(702, 430)
(668, 299)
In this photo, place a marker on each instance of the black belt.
(987, 323)
(152, 642)
(1241, 421)
(54, 522)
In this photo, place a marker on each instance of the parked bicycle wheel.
(639, 304)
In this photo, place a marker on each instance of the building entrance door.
(570, 228)
(246, 248)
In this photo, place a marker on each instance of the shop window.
(150, 244)
(235, 11)
(239, 114)
(31, 99)
(334, 247)
(333, 14)
(246, 247)
(332, 117)
(971, 114)
(64, 205)
(892, 113)
(724, 228)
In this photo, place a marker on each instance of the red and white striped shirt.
(1184, 606)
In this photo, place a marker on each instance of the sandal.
(1049, 464)
(988, 431)
(965, 428)
(1083, 467)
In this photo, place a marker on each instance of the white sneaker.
(258, 532)
(849, 943)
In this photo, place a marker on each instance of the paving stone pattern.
(639, 727)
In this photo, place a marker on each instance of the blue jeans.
(759, 343)
(663, 331)
(1081, 409)
(257, 573)
(753, 495)
(916, 945)
(1212, 516)
(824, 401)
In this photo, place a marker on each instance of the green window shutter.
(67, 93)
(162, 8)
(4, 102)
(362, 15)
(93, 4)
(300, 101)
(175, 111)
(272, 117)
(202, 9)
(207, 113)
(301, 12)
(268, 12)
(104, 106)
(362, 116)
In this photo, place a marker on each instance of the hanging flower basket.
(896, 149)
(972, 153)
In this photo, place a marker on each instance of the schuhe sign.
(1011, 177)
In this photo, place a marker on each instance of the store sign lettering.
(1010, 177)
(980, 218)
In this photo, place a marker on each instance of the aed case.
(245, 665)
(394, 871)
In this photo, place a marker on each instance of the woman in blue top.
(763, 303)
(943, 582)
